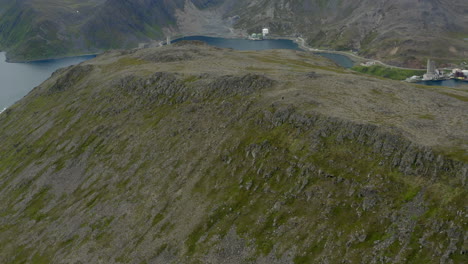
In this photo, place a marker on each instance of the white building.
(265, 32)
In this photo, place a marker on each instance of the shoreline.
(444, 80)
(298, 40)
(303, 46)
(48, 59)
(301, 42)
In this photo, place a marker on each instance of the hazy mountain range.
(398, 31)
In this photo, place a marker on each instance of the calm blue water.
(245, 44)
(448, 83)
(17, 79)
(339, 59)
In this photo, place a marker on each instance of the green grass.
(457, 96)
(427, 116)
(386, 72)
(39, 201)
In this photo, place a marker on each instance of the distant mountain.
(120, 23)
(397, 31)
(34, 29)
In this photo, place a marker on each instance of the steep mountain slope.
(398, 31)
(123, 23)
(37, 29)
(403, 32)
(32, 29)
(192, 154)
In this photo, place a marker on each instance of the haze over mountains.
(397, 31)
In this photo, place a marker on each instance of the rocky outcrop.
(394, 149)
(73, 75)
(239, 85)
(169, 88)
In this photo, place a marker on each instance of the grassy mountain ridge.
(249, 157)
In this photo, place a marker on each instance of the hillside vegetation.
(400, 32)
(387, 72)
(193, 154)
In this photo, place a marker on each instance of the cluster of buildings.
(434, 74)
(260, 36)
(460, 74)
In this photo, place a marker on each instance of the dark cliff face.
(184, 154)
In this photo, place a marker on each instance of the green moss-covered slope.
(191, 154)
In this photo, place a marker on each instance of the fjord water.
(17, 79)
(448, 83)
(245, 44)
(342, 60)
(339, 59)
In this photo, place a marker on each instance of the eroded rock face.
(170, 88)
(397, 151)
(239, 85)
(71, 78)
(132, 160)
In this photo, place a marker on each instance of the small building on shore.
(256, 36)
(260, 36)
(460, 74)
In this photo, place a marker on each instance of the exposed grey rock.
(73, 75)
